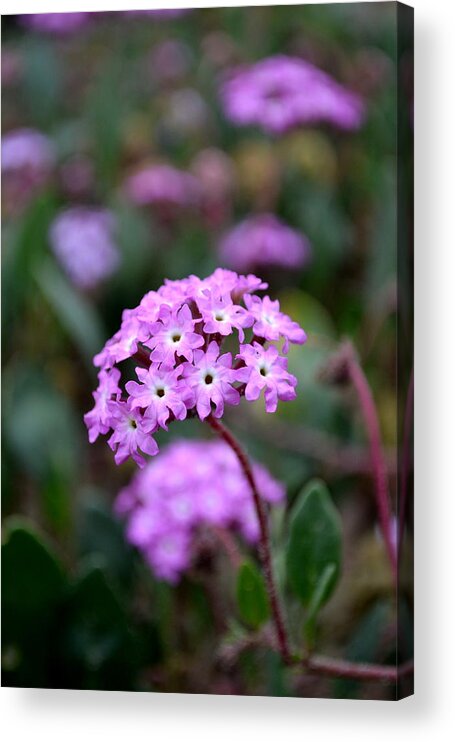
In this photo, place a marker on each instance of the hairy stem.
(264, 542)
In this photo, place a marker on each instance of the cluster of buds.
(176, 336)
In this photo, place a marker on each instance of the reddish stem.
(379, 467)
(407, 434)
(356, 670)
(264, 541)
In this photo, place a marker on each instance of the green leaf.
(252, 597)
(98, 646)
(74, 311)
(32, 578)
(314, 548)
(33, 585)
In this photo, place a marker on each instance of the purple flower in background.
(55, 23)
(158, 14)
(191, 485)
(28, 158)
(280, 93)
(175, 337)
(265, 370)
(82, 239)
(162, 185)
(263, 240)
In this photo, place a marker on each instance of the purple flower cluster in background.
(162, 185)
(263, 240)
(176, 337)
(280, 93)
(191, 485)
(55, 23)
(28, 158)
(82, 239)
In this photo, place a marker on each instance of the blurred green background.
(80, 609)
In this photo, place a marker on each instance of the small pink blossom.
(97, 420)
(161, 392)
(265, 370)
(221, 315)
(173, 335)
(271, 324)
(211, 378)
(130, 435)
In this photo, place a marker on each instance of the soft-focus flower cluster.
(191, 485)
(281, 93)
(55, 23)
(176, 337)
(28, 158)
(264, 240)
(162, 185)
(83, 242)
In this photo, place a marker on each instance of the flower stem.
(336, 668)
(370, 416)
(264, 542)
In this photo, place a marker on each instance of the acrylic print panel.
(208, 351)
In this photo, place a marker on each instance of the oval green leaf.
(314, 550)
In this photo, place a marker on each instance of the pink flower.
(169, 555)
(192, 484)
(124, 344)
(162, 184)
(55, 23)
(211, 378)
(130, 435)
(82, 239)
(280, 93)
(161, 392)
(97, 420)
(264, 240)
(173, 335)
(271, 324)
(265, 369)
(221, 315)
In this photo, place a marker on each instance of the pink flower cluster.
(176, 337)
(162, 185)
(263, 240)
(281, 93)
(191, 485)
(82, 239)
(28, 159)
(55, 23)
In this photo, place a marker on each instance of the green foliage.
(252, 600)
(33, 585)
(72, 309)
(314, 549)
